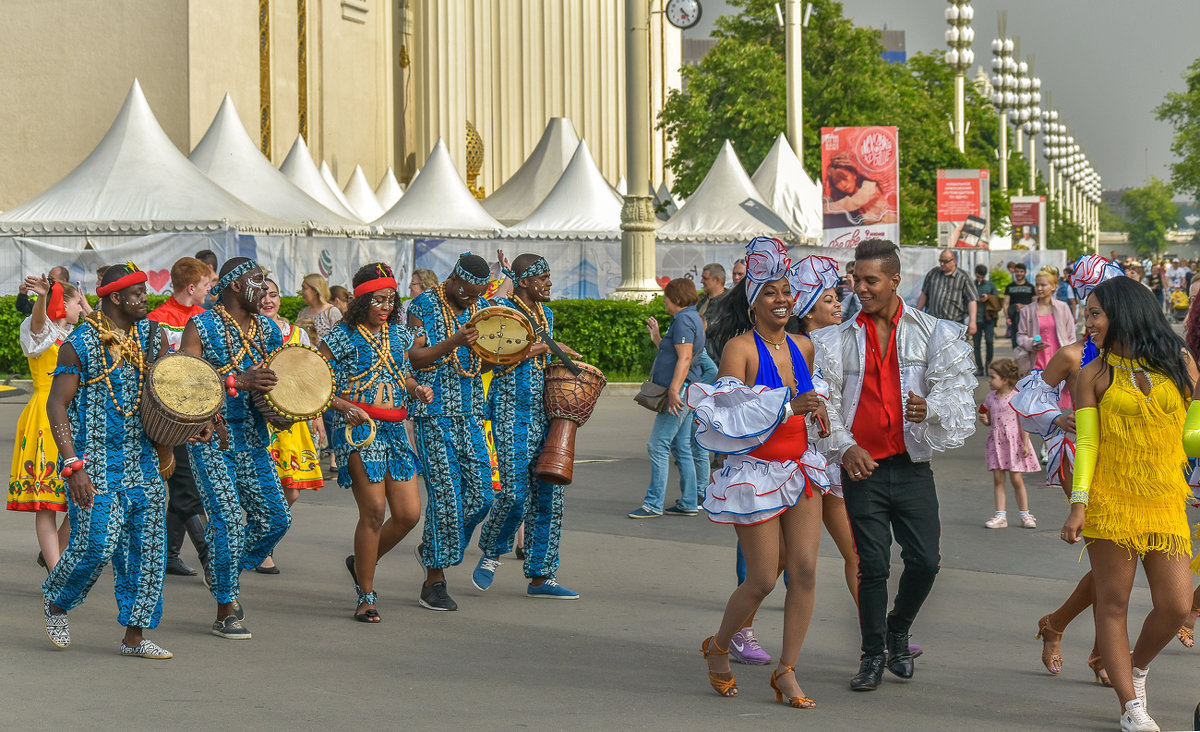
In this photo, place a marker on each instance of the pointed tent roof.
(361, 197)
(438, 203)
(135, 180)
(528, 187)
(663, 198)
(726, 207)
(582, 205)
(228, 156)
(388, 191)
(621, 186)
(785, 186)
(331, 181)
(300, 169)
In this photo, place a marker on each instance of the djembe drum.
(569, 401)
(182, 394)
(504, 335)
(304, 389)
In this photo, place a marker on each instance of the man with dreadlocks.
(449, 430)
(519, 422)
(117, 499)
(235, 340)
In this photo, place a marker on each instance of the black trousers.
(898, 497)
(987, 333)
(183, 497)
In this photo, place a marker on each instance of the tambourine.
(504, 335)
(366, 442)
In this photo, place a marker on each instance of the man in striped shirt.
(948, 293)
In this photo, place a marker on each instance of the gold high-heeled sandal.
(1185, 634)
(724, 687)
(1097, 665)
(1051, 645)
(799, 702)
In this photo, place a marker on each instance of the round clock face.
(683, 14)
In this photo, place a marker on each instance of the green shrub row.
(610, 334)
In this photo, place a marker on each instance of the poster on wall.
(860, 185)
(964, 208)
(1028, 218)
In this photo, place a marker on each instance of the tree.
(1152, 214)
(1182, 111)
(1111, 220)
(737, 92)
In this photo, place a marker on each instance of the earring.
(750, 312)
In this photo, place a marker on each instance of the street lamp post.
(1032, 124)
(793, 27)
(960, 57)
(1004, 93)
(1019, 114)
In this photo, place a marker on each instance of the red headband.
(55, 308)
(133, 278)
(381, 283)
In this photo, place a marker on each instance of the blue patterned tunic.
(453, 395)
(247, 427)
(359, 374)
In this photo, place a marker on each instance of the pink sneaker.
(744, 648)
(997, 522)
(1028, 521)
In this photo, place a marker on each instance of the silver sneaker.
(146, 649)
(58, 630)
(230, 628)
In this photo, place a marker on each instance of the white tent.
(331, 181)
(300, 169)
(785, 186)
(665, 201)
(438, 204)
(388, 191)
(228, 156)
(582, 205)
(726, 207)
(135, 182)
(622, 187)
(529, 186)
(361, 197)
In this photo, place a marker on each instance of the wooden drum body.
(303, 391)
(183, 393)
(504, 335)
(569, 401)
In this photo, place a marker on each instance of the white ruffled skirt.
(748, 491)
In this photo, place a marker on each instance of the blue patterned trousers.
(458, 479)
(523, 498)
(230, 482)
(126, 525)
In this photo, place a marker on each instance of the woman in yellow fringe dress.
(293, 450)
(34, 483)
(1129, 492)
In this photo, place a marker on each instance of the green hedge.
(610, 334)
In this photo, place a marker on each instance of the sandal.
(350, 566)
(724, 687)
(367, 598)
(798, 702)
(1097, 665)
(1051, 645)
(1185, 633)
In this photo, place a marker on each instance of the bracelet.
(71, 465)
(788, 412)
(1079, 495)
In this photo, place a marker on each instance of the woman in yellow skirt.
(1129, 492)
(293, 449)
(34, 483)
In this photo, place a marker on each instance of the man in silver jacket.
(901, 385)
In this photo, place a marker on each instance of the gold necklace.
(249, 340)
(538, 315)
(475, 363)
(777, 344)
(382, 347)
(128, 350)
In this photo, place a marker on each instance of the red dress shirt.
(879, 421)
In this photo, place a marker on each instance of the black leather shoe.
(899, 657)
(870, 672)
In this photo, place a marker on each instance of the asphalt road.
(623, 657)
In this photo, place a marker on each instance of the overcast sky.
(1105, 63)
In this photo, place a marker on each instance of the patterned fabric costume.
(293, 450)
(519, 422)
(126, 522)
(359, 373)
(450, 440)
(34, 483)
(242, 477)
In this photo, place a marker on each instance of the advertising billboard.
(1028, 217)
(964, 208)
(860, 169)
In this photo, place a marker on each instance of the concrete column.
(795, 82)
(1003, 152)
(960, 133)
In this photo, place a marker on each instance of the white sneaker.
(1028, 521)
(1137, 719)
(997, 522)
(1139, 686)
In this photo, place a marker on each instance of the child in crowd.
(1009, 450)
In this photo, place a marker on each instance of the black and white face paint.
(256, 282)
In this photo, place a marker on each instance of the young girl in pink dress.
(1009, 451)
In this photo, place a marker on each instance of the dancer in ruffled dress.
(770, 484)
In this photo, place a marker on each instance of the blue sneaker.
(551, 590)
(484, 572)
(642, 513)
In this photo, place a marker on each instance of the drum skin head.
(187, 385)
(504, 334)
(305, 384)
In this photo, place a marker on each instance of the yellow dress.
(1139, 493)
(293, 450)
(34, 483)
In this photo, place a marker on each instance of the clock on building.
(683, 14)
